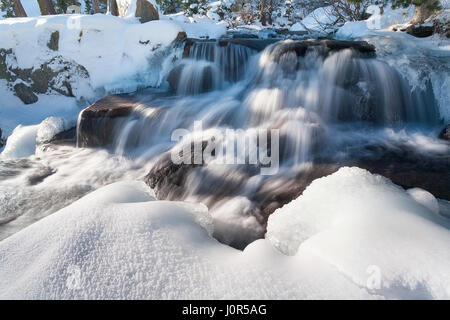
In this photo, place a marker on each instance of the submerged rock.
(39, 175)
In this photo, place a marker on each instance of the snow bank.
(118, 243)
(110, 48)
(347, 231)
(359, 222)
(21, 143)
(119, 55)
(377, 21)
(199, 26)
(13, 112)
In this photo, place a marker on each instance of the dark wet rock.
(300, 47)
(325, 47)
(445, 133)
(41, 79)
(401, 165)
(409, 169)
(66, 137)
(145, 11)
(275, 193)
(168, 179)
(39, 175)
(174, 76)
(241, 35)
(53, 43)
(420, 31)
(2, 140)
(181, 36)
(97, 122)
(25, 93)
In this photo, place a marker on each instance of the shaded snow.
(117, 242)
(198, 26)
(353, 220)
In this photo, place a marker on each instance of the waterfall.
(230, 58)
(328, 105)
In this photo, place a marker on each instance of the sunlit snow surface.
(351, 235)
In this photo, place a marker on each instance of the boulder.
(25, 93)
(97, 123)
(57, 74)
(53, 43)
(420, 31)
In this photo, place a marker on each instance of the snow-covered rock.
(113, 54)
(199, 26)
(377, 21)
(21, 143)
(23, 140)
(355, 221)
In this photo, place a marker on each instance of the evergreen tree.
(88, 7)
(170, 6)
(424, 8)
(7, 6)
(61, 5)
(191, 7)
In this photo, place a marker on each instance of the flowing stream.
(320, 109)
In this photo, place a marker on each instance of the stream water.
(328, 109)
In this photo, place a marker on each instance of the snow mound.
(199, 26)
(377, 21)
(355, 235)
(118, 243)
(50, 127)
(115, 54)
(23, 140)
(363, 224)
(99, 43)
(21, 143)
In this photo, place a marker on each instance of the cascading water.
(230, 58)
(208, 66)
(330, 107)
(322, 102)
